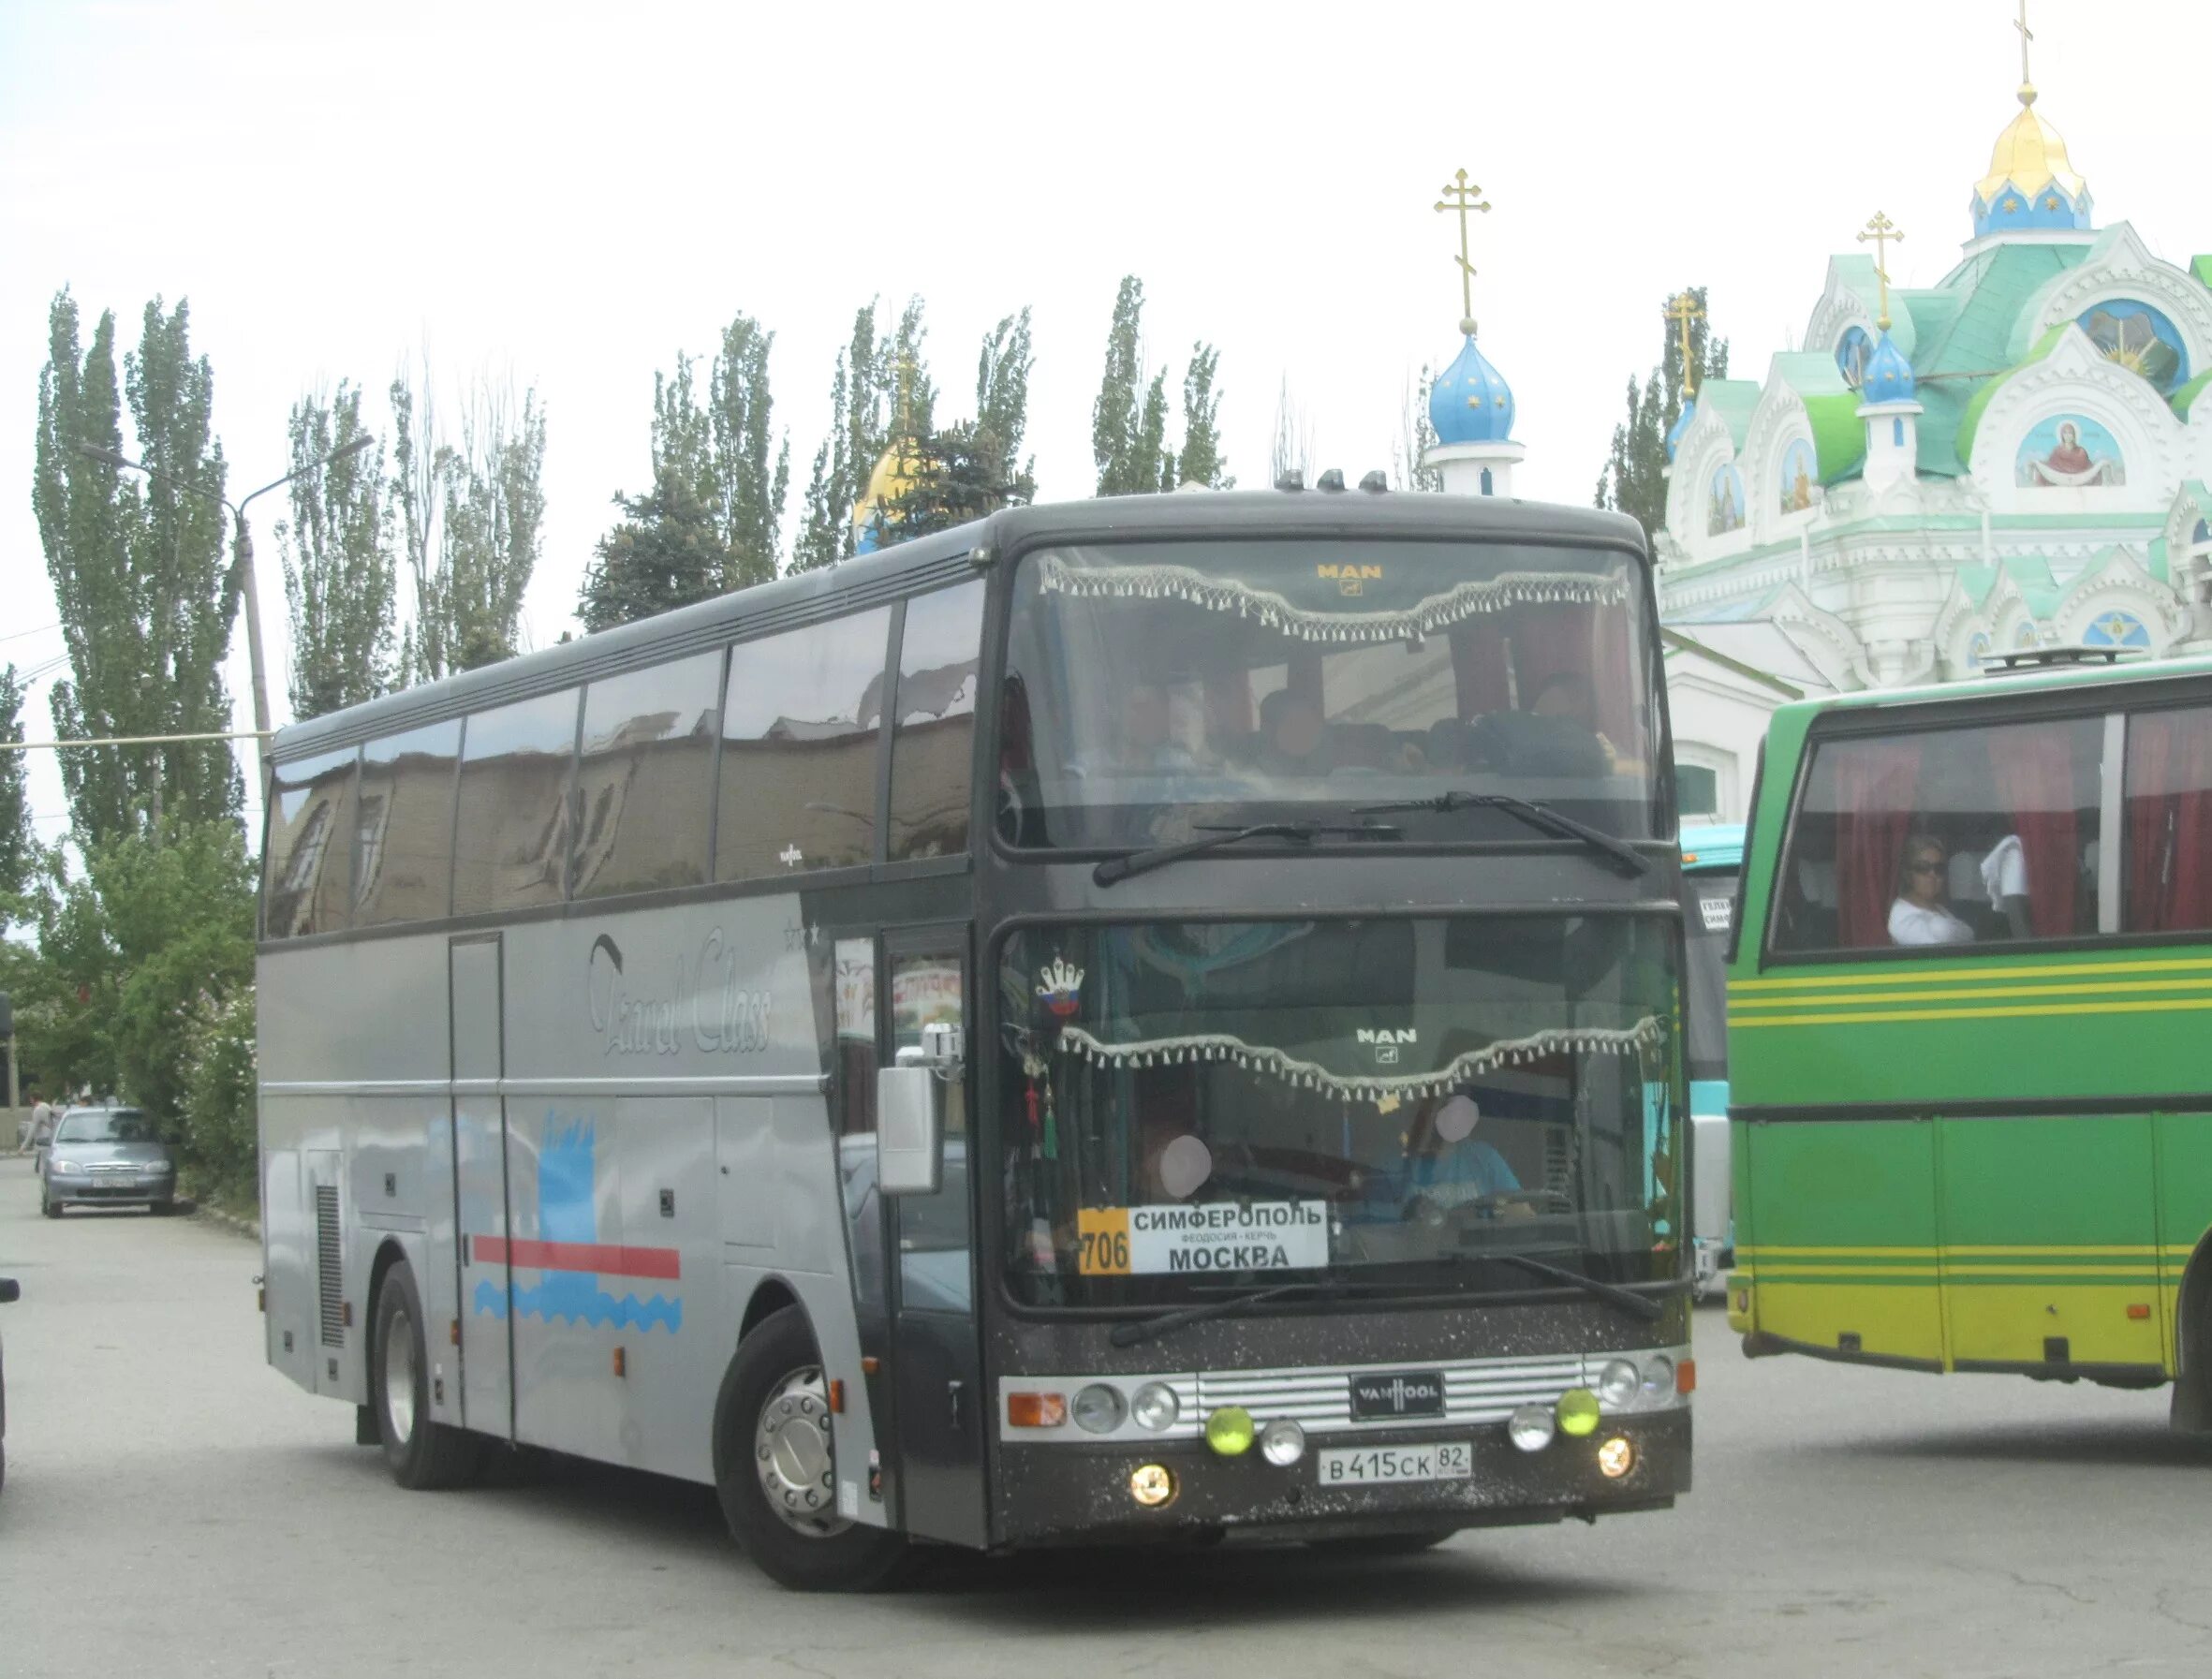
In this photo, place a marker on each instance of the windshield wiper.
(1628, 1300)
(1303, 833)
(1624, 857)
(1151, 1328)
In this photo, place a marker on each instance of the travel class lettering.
(721, 1016)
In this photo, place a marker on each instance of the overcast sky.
(567, 197)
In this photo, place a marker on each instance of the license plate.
(1381, 1466)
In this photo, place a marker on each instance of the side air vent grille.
(328, 1262)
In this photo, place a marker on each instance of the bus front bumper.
(1056, 1494)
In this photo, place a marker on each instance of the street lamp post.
(242, 562)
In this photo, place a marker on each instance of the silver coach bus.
(1131, 1020)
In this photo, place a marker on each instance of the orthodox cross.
(1881, 230)
(1466, 197)
(1682, 309)
(2026, 34)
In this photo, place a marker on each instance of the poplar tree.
(19, 843)
(1633, 480)
(748, 494)
(881, 384)
(1002, 393)
(340, 577)
(1117, 415)
(145, 596)
(1201, 462)
(1417, 436)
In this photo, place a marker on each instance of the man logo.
(1350, 580)
(1388, 1034)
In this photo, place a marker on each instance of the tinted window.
(307, 864)
(1710, 908)
(645, 782)
(2169, 818)
(1697, 789)
(510, 842)
(1946, 837)
(403, 826)
(799, 732)
(932, 743)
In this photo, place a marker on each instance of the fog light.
(1616, 1458)
(1618, 1381)
(1659, 1376)
(1151, 1484)
(1578, 1411)
(1531, 1427)
(1156, 1407)
(1099, 1408)
(1228, 1430)
(1282, 1442)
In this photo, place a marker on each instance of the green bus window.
(932, 743)
(645, 776)
(799, 725)
(307, 863)
(510, 835)
(2169, 822)
(1949, 836)
(402, 844)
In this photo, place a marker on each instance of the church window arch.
(2143, 340)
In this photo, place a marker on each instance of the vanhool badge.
(1060, 986)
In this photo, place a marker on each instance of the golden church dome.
(2029, 156)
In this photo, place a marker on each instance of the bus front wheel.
(776, 1468)
(422, 1455)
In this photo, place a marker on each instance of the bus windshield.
(1153, 688)
(1193, 1105)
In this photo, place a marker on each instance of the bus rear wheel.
(422, 1455)
(776, 1468)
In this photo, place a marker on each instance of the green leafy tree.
(1002, 394)
(747, 491)
(1118, 420)
(1201, 462)
(340, 577)
(664, 553)
(19, 843)
(881, 391)
(1633, 480)
(146, 596)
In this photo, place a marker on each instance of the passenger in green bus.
(1919, 916)
(1446, 1165)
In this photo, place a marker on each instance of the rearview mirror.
(909, 1147)
(11, 1290)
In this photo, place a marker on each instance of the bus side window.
(510, 835)
(2167, 868)
(801, 718)
(645, 778)
(402, 844)
(933, 736)
(308, 861)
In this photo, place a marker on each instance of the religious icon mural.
(2115, 628)
(1797, 481)
(2068, 451)
(1724, 502)
(2140, 339)
(1851, 354)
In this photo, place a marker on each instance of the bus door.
(936, 1363)
(479, 1187)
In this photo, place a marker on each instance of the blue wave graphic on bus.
(562, 1298)
(568, 1215)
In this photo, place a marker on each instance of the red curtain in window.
(2034, 771)
(1590, 642)
(1875, 794)
(2169, 849)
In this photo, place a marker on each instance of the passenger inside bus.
(1918, 917)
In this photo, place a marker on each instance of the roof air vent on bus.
(2030, 659)
(1291, 481)
(1375, 482)
(1331, 480)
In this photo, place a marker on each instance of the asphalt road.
(173, 1507)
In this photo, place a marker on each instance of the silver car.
(108, 1158)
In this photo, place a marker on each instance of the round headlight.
(1578, 1411)
(1099, 1409)
(1156, 1407)
(1152, 1485)
(1282, 1442)
(1531, 1427)
(1659, 1376)
(1619, 1382)
(1616, 1458)
(1229, 1429)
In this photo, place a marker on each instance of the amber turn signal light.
(1036, 1410)
(1685, 1376)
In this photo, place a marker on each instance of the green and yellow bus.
(1971, 1029)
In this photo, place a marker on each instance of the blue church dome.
(1888, 378)
(1470, 401)
(1681, 426)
